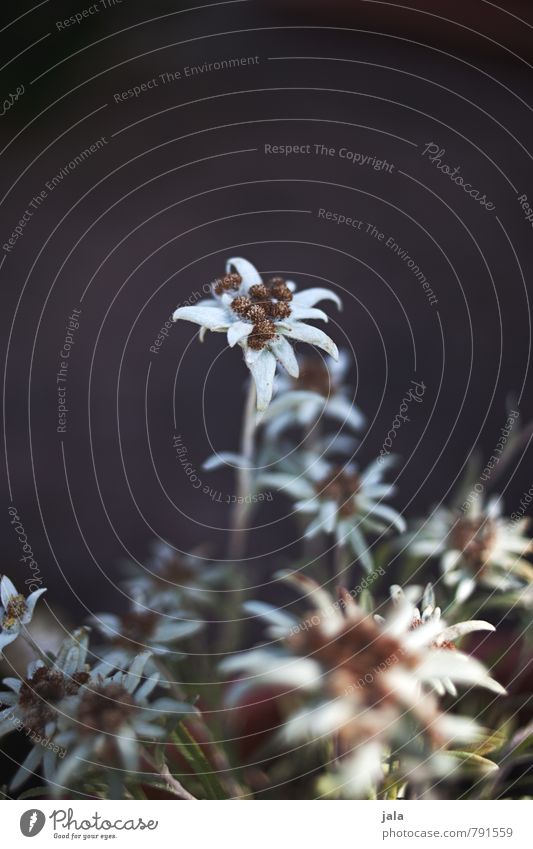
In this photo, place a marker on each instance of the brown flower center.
(14, 611)
(39, 694)
(105, 709)
(177, 571)
(314, 377)
(264, 304)
(447, 644)
(262, 333)
(138, 624)
(228, 283)
(474, 538)
(340, 486)
(354, 659)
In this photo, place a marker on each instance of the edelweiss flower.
(365, 688)
(343, 501)
(478, 546)
(317, 391)
(437, 634)
(31, 704)
(15, 611)
(155, 626)
(106, 723)
(171, 576)
(261, 318)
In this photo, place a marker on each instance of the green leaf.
(366, 602)
(476, 762)
(34, 793)
(522, 742)
(193, 754)
(491, 742)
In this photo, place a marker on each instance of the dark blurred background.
(181, 181)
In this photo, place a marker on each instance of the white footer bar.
(270, 824)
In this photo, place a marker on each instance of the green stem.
(169, 779)
(27, 637)
(241, 509)
(240, 523)
(340, 565)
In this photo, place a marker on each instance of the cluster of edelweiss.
(372, 694)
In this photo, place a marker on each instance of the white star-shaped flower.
(262, 318)
(339, 500)
(363, 684)
(15, 611)
(424, 630)
(478, 547)
(319, 391)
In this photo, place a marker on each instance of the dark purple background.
(142, 268)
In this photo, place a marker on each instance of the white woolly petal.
(450, 686)
(170, 630)
(293, 485)
(465, 589)
(289, 401)
(31, 601)
(316, 722)
(263, 370)
(266, 667)
(325, 520)
(107, 623)
(225, 458)
(462, 628)
(343, 410)
(397, 594)
(454, 728)
(361, 770)
(460, 668)
(358, 544)
(239, 330)
(428, 599)
(14, 684)
(249, 273)
(309, 506)
(132, 678)
(7, 637)
(320, 599)
(400, 620)
(328, 513)
(390, 515)
(283, 352)
(424, 635)
(73, 651)
(310, 297)
(438, 686)
(214, 318)
(272, 615)
(252, 354)
(312, 335)
(303, 313)
(7, 590)
(27, 768)
(374, 472)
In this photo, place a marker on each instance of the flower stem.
(28, 639)
(239, 521)
(173, 782)
(340, 565)
(241, 509)
(163, 772)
